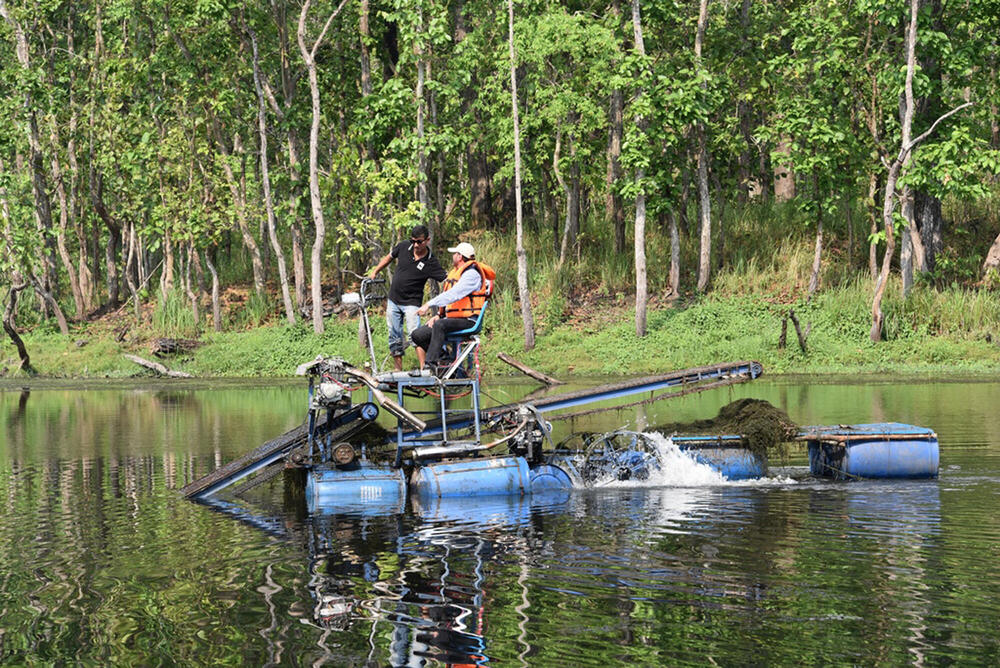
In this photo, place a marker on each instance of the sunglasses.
(419, 241)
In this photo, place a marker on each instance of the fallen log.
(528, 371)
(157, 367)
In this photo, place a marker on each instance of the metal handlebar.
(372, 290)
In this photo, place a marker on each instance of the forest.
(158, 152)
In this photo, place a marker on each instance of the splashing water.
(672, 467)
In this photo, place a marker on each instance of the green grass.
(932, 332)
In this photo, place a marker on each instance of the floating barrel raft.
(879, 450)
(440, 454)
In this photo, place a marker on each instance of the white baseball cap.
(465, 249)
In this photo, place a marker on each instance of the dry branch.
(157, 367)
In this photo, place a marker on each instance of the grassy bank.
(584, 315)
(932, 332)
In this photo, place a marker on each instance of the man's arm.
(381, 265)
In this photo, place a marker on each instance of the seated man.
(466, 289)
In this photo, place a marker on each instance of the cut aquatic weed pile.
(764, 427)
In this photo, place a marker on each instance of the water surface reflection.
(102, 562)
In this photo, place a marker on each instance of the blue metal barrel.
(725, 454)
(368, 489)
(547, 478)
(881, 450)
(473, 477)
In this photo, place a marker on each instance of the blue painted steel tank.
(367, 489)
(725, 454)
(548, 478)
(473, 477)
(881, 450)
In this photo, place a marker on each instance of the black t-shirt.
(407, 287)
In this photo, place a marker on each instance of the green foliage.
(152, 126)
(257, 310)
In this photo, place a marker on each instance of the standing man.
(415, 263)
(466, 288)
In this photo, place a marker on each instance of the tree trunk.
(64, 213)
(167, 275)
(524, 295)
(992, 261)
(888, 201)
(784, 178)
(675, 257)
(365, 33)
(912, 255)
(43, 208)
(265, 177)
(216, 307)
(704, 201)
(239, 202)
(83, 276)
(96, 182)
(897, 167)
(641, 285)
(11, 329)
(192, 295)
(422, 176)
(50, 300)
(289, 86)
(873, 220)
(615, 207)
(133, 257)
(817, 257)
(309, 56)
(572, 191)
(615, 210)
(930, 223)
(481, 202)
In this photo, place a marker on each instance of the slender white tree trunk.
(675, 257)
(265, 178)
(898, 166)
(641, 297)
(309, 56)
(422, 175)
(522, 257)
(704, 199)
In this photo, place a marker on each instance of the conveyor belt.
(351, 422)
(746, 370)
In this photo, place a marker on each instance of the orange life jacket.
(470, 305)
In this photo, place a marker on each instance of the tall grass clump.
(255, 312)
(783, 274)
(955, 311)
(173, 316)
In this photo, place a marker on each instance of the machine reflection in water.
(422, 592)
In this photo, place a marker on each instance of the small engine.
(532, 433)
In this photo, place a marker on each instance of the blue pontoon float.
(881, 450)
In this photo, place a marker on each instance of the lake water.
(102, 561)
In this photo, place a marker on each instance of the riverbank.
(933, 332)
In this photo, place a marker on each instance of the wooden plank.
(528, 371)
